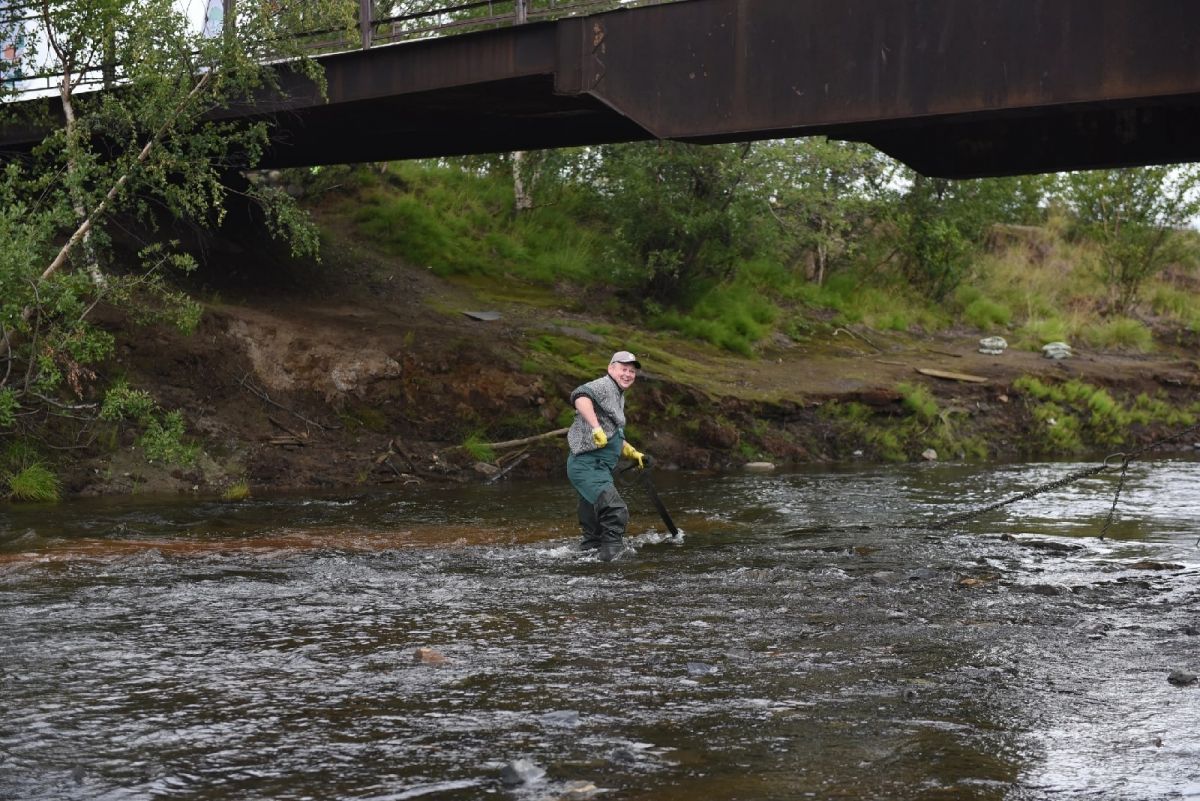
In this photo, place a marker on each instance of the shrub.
(162, 441)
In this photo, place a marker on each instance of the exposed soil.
(364, 372)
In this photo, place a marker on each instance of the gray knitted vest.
(609, 401)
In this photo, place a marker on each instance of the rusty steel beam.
(954, 88)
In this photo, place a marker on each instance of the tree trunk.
(522, 193)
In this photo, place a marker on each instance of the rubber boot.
(589, 525)
(613, 516)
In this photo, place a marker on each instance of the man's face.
(623, 374)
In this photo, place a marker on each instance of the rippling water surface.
(808, 637)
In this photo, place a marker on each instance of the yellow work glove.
(630, 452)
(599, 437)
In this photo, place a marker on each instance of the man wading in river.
(597, 441)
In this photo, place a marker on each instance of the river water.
(808, 636)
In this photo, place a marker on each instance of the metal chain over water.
(1070, 478)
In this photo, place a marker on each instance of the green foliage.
(820, 195)
(238, 491)
(459, 221)
(942, 224)
(8, 407)
(121, 402)
(919, 401)
(1133, 217)
(1122, 333)
(987, 314)
(33, 483)
(151, 152)
(678, 212)
(1058, 428)
(162, 440)
(478, 447)
(733, 317)
(1038, 332)
(26, 475)
(1073, 413)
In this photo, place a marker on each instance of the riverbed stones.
(428, 656)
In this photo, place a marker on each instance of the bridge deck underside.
(955, 88)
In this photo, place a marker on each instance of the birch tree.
(134, 136)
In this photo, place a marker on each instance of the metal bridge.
(954, 88)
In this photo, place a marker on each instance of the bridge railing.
(379, 22)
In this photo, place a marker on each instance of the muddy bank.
(360, 380)
(361, 373)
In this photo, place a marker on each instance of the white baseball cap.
(625, 357)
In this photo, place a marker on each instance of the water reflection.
(805, 639)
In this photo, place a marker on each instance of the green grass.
(238, 491)
(456, 222)
(33, 483)
(478, 447)
(734, 317)
(1120, 334)
(920, 401)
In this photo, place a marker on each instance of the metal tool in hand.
(648, 485)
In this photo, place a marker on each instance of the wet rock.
(486, 470)
(579, 789)
(910, 695)
(758, 467)
(1047, 545)
(1148, 564)
(428, 656)
(700, 669)
(1191, 630)
(566, 718)
(1181, 678)
(521, 771)
(1050, 590)
(922, 574)
(929, 455)
(625, 756)
(884, 578)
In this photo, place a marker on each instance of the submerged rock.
(1181, 678)
(521, 771)
(562, 717)
(428, 656)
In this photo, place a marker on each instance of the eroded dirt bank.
(373, 374)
